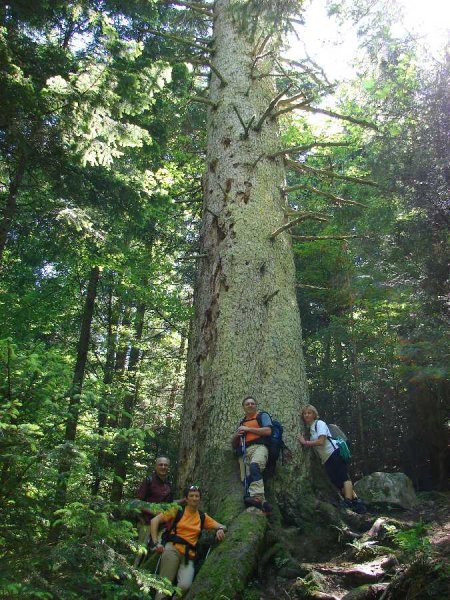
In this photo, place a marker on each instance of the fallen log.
(230, 565)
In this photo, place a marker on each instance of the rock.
(366, 592)
(387, 488)
(370, 572)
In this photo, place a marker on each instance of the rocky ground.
(387, 554)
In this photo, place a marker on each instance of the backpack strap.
(328, 436)
(172, 535)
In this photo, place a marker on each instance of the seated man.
(178, 553)
(251, 434)
(155, 488)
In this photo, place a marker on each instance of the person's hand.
(301, 439)
(220, 535)
(159, 548)
(242, 429)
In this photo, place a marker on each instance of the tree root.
(231, 564)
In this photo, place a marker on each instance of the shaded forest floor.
(394, 555)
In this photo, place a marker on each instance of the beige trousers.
(257, 454)
(173, 566)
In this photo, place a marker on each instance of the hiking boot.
(258, 503)
(358, 506)
(346, 504)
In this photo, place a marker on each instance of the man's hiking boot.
(257, 503)
(356, 506)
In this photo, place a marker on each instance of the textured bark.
(246, 333)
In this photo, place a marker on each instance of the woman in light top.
(330, 456)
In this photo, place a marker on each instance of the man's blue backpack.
(274, 442)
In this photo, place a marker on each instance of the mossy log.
(230, 565)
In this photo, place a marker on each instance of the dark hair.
(192, 488)
(247, 398)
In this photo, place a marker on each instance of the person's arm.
(262, 431)
(236, 440)
(308, 443)
(210, 523)
(154, 526)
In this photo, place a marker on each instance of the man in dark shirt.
(155, 488)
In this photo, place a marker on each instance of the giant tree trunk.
(246, 333)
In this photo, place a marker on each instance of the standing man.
(177, 560)
(155, 488)
(251, 435)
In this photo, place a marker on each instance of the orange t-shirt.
(188, 527)
(251, 421)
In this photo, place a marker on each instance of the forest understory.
(384, 554)
(189, 215)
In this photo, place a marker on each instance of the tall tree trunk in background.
(357, 394)
(246, 334)
(105, 402)
(129, 403)
(120, 362)
(9, 210)
(174, 391)
(77, 386)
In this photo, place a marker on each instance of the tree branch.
(179, 39)
(330, 113)
(306, 147)
(202, 100)
(311, 287)
(333, 197)
(196, 6)
(241, 120)
(326, 173)
(214, 69)
(271, 106)
(191, 257)
(259, 57)
(263, 44)
(301, 217)
(291, 108)
(312, 238)
(292, 99)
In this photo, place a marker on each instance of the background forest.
(102, 137)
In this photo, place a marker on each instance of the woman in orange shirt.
(177, 560)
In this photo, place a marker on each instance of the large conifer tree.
(246, 333)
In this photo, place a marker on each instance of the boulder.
(387, 488)
(366, 592)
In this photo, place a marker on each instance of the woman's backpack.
(338, 439)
